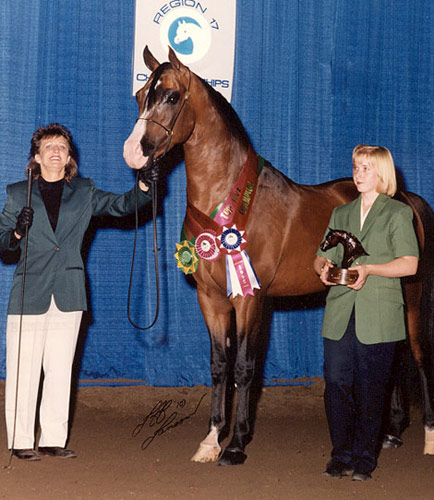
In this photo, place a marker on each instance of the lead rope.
(155, 250)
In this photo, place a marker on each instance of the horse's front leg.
(248, 324)
(217, 313)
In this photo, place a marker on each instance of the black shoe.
(361, 476)
(26, 454)
(56, 451)
(335, 468)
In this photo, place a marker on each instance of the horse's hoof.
(232, 456)
(429, 442)
(206, 454)
(391, 442)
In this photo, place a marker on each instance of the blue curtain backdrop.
(312, 79)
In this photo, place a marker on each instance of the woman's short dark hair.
(53, 130)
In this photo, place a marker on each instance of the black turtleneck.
(51, 193)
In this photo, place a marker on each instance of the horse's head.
(331, 240)
(165, 116)
(182, 32)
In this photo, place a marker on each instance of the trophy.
(352, 250)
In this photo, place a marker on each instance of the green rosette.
(186, 257)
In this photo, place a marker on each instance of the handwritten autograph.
(164, 415)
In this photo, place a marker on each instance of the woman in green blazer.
(363, 321)
(54, 296)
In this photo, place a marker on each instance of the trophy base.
(342, 276)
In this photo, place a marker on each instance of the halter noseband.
(169, 131)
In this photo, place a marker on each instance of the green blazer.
(54, 262)
(387, 234)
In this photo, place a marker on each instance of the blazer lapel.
(354, 217)
(62, 221)
(72, 207)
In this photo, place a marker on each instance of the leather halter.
(169, 131)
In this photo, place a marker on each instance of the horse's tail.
(427, 275)
(424, 224)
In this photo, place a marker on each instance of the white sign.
(202, 33)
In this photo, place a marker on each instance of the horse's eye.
(172, 98)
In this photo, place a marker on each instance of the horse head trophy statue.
(353, 249)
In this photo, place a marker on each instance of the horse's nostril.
(146, 148)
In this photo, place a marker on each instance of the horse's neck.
(213, 157)
(345, 239)
(210, 177)
(347, 243)
(348, 258)
(352, 250)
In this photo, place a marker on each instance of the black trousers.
(356, 377)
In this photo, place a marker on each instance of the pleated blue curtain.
(312, 79)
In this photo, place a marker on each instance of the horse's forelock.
(155, 79)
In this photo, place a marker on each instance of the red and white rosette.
(206, 245)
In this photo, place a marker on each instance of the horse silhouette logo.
(189, 37)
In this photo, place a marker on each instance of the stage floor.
(285, 458)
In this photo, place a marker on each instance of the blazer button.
(56, 248)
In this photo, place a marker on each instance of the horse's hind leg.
(217, 314)
(427, 368)
(419, 297)
(418, 307)
(397, 417)
(249, 321)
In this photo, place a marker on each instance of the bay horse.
(285, 224)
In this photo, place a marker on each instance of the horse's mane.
(228, 113)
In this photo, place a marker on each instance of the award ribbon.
(224, 231)
(186, 257)
(206, 246)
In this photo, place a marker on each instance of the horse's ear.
(150, 60)
(174, 60)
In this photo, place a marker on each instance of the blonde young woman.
(363, 321)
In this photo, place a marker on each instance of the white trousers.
(48, 341)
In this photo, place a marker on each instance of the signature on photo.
(165, 415)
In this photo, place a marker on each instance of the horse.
(282, 225)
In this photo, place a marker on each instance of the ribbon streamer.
(241, 278)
